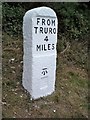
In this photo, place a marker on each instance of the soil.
(71, 90)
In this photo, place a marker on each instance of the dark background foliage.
(73, 18)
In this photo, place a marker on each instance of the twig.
(67, 48)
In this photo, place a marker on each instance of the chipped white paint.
(39, 60)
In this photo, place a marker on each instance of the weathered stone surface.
(39, 59)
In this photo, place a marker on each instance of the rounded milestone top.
(41, 11)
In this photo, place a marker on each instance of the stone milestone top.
(41, 11)
(40, 30)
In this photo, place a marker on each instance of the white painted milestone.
(39, 59)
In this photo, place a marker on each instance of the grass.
(77, 81)
(68, 101)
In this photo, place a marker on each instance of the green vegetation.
(75, 80)
(70, 99)
(73, 18)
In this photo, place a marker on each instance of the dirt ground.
(70, 99)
